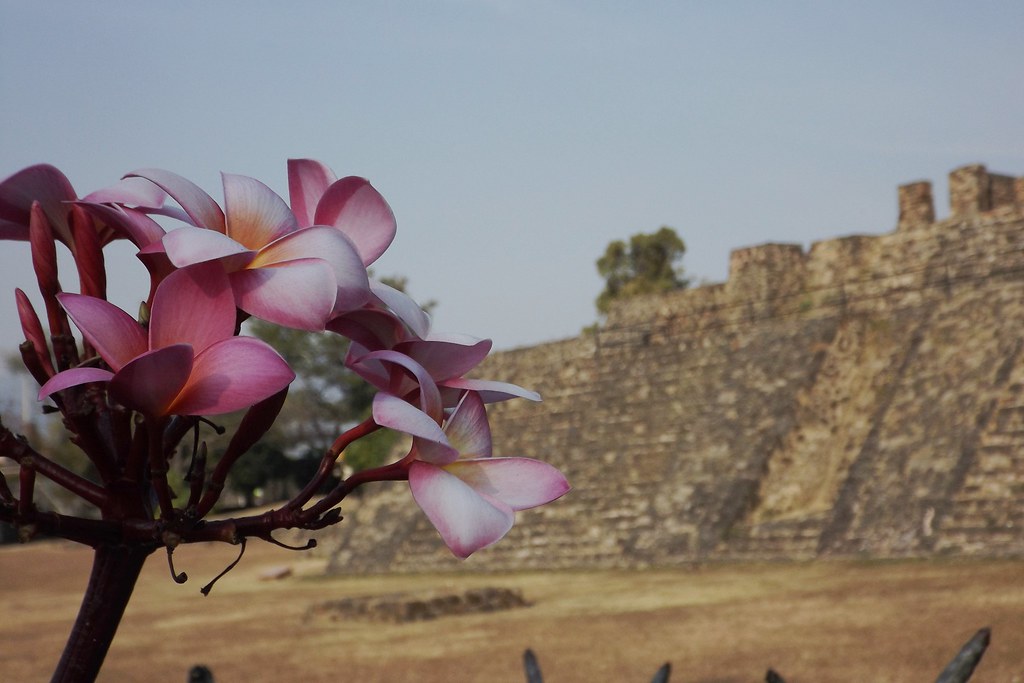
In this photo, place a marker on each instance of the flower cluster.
(301, 264)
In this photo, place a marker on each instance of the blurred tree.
(325, 399)
(646, 265)
(263, 465)
(46, 433)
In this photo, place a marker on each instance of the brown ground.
(814, 623)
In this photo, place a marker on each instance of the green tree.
(649, 263)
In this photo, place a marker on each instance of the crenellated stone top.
(972, 190)
(784, 278)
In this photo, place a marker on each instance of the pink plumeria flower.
(283, 272)
(49, 187)
(395, 322)
(188, 362)
(40, 183)
(469, 496)
(444, 360)
(350, 204)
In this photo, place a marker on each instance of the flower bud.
(88, 254)
(44, 262)
(33, 330)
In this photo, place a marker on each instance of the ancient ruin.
(861, 398)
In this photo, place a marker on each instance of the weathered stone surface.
(863, 398)
(916, 205)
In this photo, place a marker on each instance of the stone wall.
(865, 397)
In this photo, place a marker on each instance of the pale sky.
(514, 140)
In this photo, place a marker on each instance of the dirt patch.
(400, 608)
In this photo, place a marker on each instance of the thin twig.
(394, 472)
(196, 477)
(78, 485)
(158, 470)
(19, 450)
(205, 590)
(310, 544)
(135, 463)
(178, 578)
(328, 461)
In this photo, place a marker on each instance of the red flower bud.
(33, 330)
(88, 254)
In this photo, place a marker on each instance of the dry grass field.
(814, 623)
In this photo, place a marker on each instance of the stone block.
(969, 190)
(916, 205)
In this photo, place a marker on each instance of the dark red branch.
(115, 570)
(158, 469)
(30, 460)
(397, 471)
(196, 478)
(6, 497)
(65, 350)
(26, 490)
(135, 463)
(34, 365)
(80, 486)
(328, 461)
(89, 532)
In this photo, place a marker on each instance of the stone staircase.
(987, 515)
(789, 539)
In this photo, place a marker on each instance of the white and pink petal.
(188, 245)
(370, 328)
(232, 374)
(307, 181)
(401, 383)
(133, 191)
(41, 183)
(490, 391)
(200, 207)
(520, 483)
(373, 371)
(255, 214)
(353, 206)
(468, 430)
(72, 378)
(136, 226)
(329, 245)
(115, 335)
(193, 305)
(447, 359)
(298, 294)
(466, 520)
(394, 413)
(402, 305)
(151, 382)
